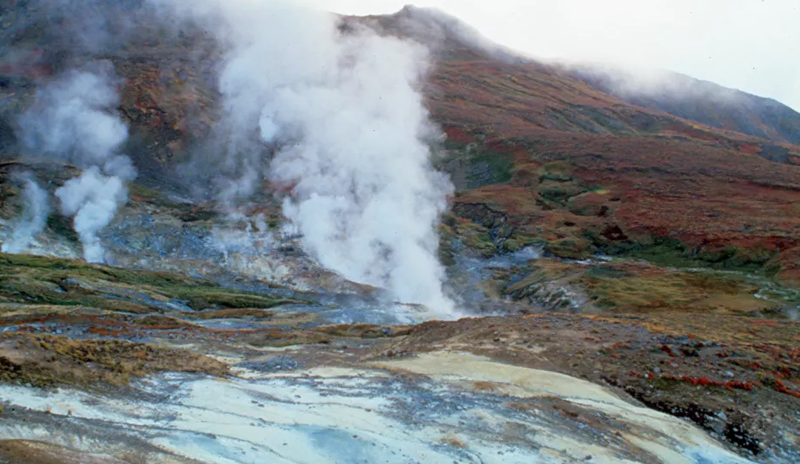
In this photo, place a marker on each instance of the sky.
(751, 45)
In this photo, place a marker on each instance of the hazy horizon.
(741, 44)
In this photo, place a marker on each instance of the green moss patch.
(39, 280)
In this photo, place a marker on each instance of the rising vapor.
(344, 118)
(93, 199)
(73, 120)
(33, 220)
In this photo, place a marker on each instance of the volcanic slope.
(553, 176)
(539, 155)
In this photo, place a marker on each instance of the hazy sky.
(752, 45)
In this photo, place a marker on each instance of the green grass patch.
(491, 168)
(39, 280)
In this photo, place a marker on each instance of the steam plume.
(93, 199)
(254, 239)
(344, 116)
(72, 121)
(33, 220)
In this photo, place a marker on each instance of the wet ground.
(435, 408)
(113, 365)
(241, 349)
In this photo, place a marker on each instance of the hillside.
(582, 170)
(702, 101)
(509, 122)
(629, 262)
(664, 92)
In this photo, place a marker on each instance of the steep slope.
(701, 101)
(538, 156)
(541, 156)
(664, 92)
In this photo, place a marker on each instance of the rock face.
(629, 265)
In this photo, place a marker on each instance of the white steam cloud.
(344, 117)
(254, 238)
(33, 219)
(93, 199)
(73, 120)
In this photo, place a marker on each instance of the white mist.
(73, 120)
(33, 219)
(344, 117)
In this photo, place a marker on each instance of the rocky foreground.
(109, 365)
